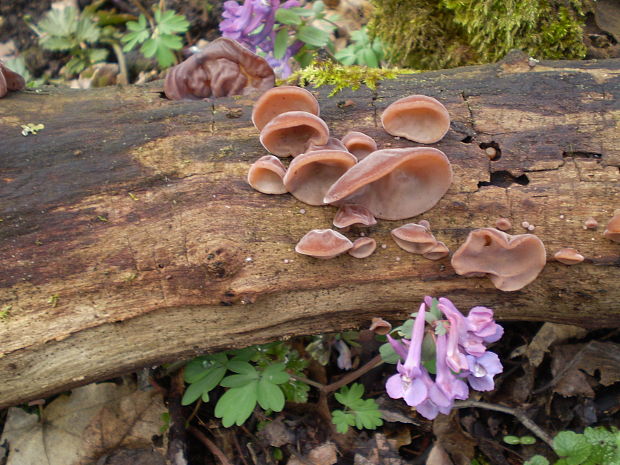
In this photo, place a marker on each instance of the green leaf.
(318, 6)
(237, 404)
(270, 396)
(170, 41)
(275, 373)
(96, 55)
(528, 440)
(56, 43)
(572, 446)
(87, 30)
(512, 440)
(132, 39)
(203, 385)
(196, 369)
(369, 58)
(313, 36)
(60, 23)
(169, 22)
(280, 44)
(241, 367)
(348, 395)
(295, 391)
(290, 17)
(537, 460)
(387, 352)
(138, 26)
(342, 420)
(149, 48)
(304, 12)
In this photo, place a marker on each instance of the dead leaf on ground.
(459, 446)
(78, 428)
(548, 335)
(325, 454)
(570, 363)
(438, 456)
(378, 450)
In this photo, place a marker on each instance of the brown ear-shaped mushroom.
(439, 251)
(332, 144)
(291, 133)
(9, 80)
(414, 238)
(395, 184)
(323, 243)
(280, 100)
(511, 262)
(359, 144)
(363, 247)
(568, 256)
(310, 175)
(266, 175)
(349, 214)
(222, 68)
(418, 118)
(612, 231)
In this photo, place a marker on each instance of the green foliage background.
(432, 34)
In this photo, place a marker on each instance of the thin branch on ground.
(518, 414)
(216, 451)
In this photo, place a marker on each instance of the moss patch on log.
(430, 34)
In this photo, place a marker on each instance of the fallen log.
(129, 237)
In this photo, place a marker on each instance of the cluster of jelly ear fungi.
(367, 183)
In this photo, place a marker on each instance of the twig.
(346, 379)
(518, 414)
(210, 445)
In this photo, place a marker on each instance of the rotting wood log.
(129, 237)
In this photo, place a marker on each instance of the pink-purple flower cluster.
(252, 25)
(460, 354)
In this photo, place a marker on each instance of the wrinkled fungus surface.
(511, 262)
(9, 80)
(222, 68)
(394, 184)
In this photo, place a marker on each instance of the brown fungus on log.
(568, 256)
(223, 68)
(511, 262)
(290, 134)
(612, 231)
(9, 80)
(280, 100)
(332, 144)
(439, 251)
(414, 238)
(394, 184)
(323, 243)
(418, 118)
(350, 214)
(359, 144)
(363, 247)
(311, 174)
(266, 175)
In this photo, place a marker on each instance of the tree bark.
(129, 236)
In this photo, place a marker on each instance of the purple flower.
(480, 322)
(450, 385)
(455, 358)
(482, 370)
(436, 402)
(409, 383)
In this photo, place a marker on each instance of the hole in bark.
(491, 150)
(467, 139)
(162, 94)
(581, 154)
(505, 179)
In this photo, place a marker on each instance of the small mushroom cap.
(359, 144)
(222, 68)
(511, 262)
(568, 256)
(418, 118)
(266, 175)
(10, 80)
(310, 175)
(439, 251)
(503, 224)
(291, 133)
(323, 243)
(395, 184)
(350, 214)
(280, 100)
(380, 326)
(414, 238)
(363, 247)
(590, 223)
(612, 231)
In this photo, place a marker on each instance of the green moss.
(429, 34)
(320, 73)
